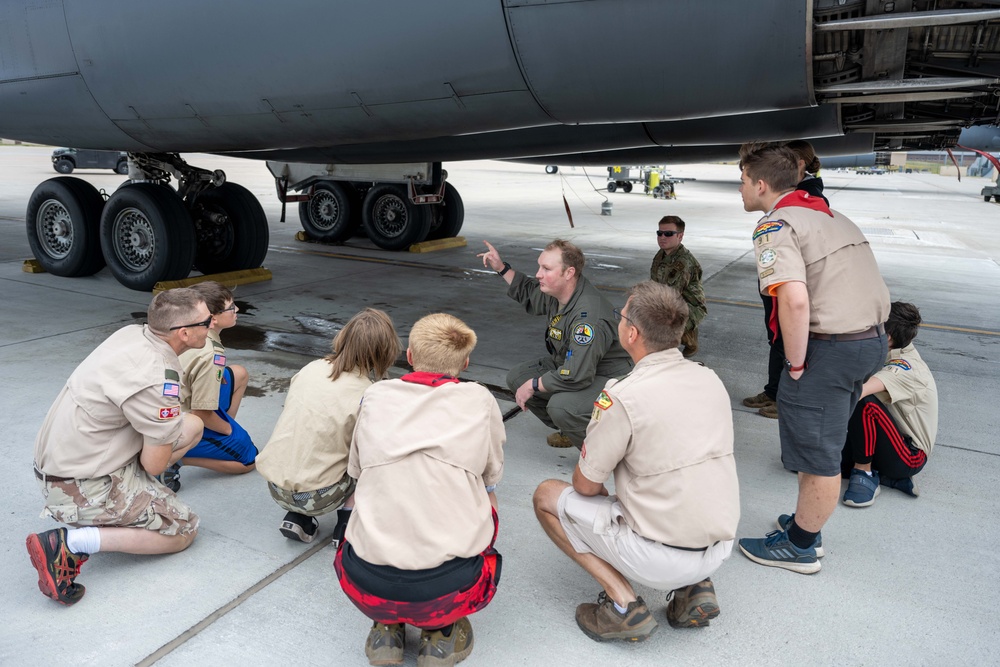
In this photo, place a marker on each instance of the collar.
(429, 379)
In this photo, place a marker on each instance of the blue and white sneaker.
(862, 489)
(785, 521)
(776, 550)
(905, 485)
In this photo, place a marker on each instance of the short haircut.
(216, 295)
(440, 343)
(572, 256)
(903, 323)
(672, 220)
(173, 308)
(367, 345)
(806, 153)
(776, 165)
(659, 313)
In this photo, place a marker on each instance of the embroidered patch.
(603, 401)
(583, 334)
(555, 334)
(219, 360)
(564, 371)
(171, 389)
(767, 257)
(583, 315)
(899, 363)
(171, 374)
(764, 240)
(169, 413)
(767, 227)
(595, 416)
(765, 274)
(218, 374)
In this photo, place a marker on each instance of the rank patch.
(171, 389)
(583, 334)
(219, 360)
(169, 413)
(767, 227)
(900, 363)
(603, 401)
(767, 257)
(765, 274)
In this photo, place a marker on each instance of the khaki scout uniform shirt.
(832, 257)
(203, 374)
(910, 396)
(682, 271)
(309, 446)
(122, 396)
(423, 457)
(666, 432)
(582, 338)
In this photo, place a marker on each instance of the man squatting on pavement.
(427, 453)
(115, 425)
(676, 267)
(831, 307)
(666, 433)
(581, 338)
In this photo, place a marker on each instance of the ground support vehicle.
(65, 160)
(991, 191)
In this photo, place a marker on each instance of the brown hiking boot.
(57, 566)
(558, 440)
(385, 644)
(692, 607)
(769, 411)
(758, 401)
(436, 650)
(602, 621)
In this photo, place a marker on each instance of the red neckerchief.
(804, 200)
(429, 379)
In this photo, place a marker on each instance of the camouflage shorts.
(127, 498)
(314, 503)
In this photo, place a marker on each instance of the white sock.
(84, 540)
(619, 608)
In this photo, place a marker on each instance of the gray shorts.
(814, 410)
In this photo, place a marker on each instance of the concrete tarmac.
(905, 581)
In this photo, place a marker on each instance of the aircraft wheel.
(63, 221)
(612, 186)
(551, 169)
(63, 166)
(448, 216)
(986, 198)
(328, 216)
(147, 235)
(391, 220)
(122, 167)
(231, 229)
(627, 187)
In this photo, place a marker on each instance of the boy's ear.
(466, 364)
(409, 357)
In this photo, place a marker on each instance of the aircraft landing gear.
(63, 220)
(391, 220)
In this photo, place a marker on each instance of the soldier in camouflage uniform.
(116, 423)
(675, 266)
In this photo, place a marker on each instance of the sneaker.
(57, 566)
(693, 606)
(785, 521)
(558, 440)
(769, 411)
(385, 644)
(299, 527)
(758, 401)
(171, 477)
(776, 550)
(862, 489)
(602, 621)
(906, 485)
(437, 650)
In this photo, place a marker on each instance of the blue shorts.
(237, 446)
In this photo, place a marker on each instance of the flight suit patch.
(171, 389)
(765, 274)
(169, 413)
(603, 401)
(767, 257)
(564, 371)
(219, 360)
(555, 334)
(767, 227)
(899, 363)
(583, 334)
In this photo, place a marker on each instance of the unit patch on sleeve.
(767, 257)
(219, 360)
(603, 401)
(583, 334)
(767, 227)
(171, 389)
(902, 364)
(169, 413)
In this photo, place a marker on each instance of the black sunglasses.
(207, 323)
(660, 232)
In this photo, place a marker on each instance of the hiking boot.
(758, 401)
(905, 485)
(693, 606)
(171, 477)
(602, 621)
(776, 550)
(769, 411)
(57, 566)
(385, 644)
(299, 527)
(438, 650)
(862, 489)
(558, 440)
(784, 523)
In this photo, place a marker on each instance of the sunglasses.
(660, 232)
(207, 323)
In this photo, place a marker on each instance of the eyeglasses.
(619, 315)
(232, 309)
(207, 323)
(660, 232)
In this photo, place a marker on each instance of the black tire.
(147, 235)
(551, 169)
(329, 216)
(612, 186)
(64, 222)
(996, 198)
(627, 187)
(63, 165)
(448, 216)
(986, 198)
(231, 229)
(391, 220)
(122, 167)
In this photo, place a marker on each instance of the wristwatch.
(505, 269)
(534, 384)
(794, 369)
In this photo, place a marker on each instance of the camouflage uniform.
(314, 503)
(682, 271)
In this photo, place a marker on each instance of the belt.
(698, 549)
(51, 478)
(872, 332)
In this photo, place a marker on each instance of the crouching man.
(666, 433)
(427, 453)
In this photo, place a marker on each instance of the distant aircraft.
(373, 85)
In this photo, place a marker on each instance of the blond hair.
(367, 345)
(441, 343)
(173, 308)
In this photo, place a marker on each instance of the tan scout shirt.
(203, 374)
(309, 446)
(910, 396)
(832, 257)
(423, 457)
(666, 432)
(123, 395)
